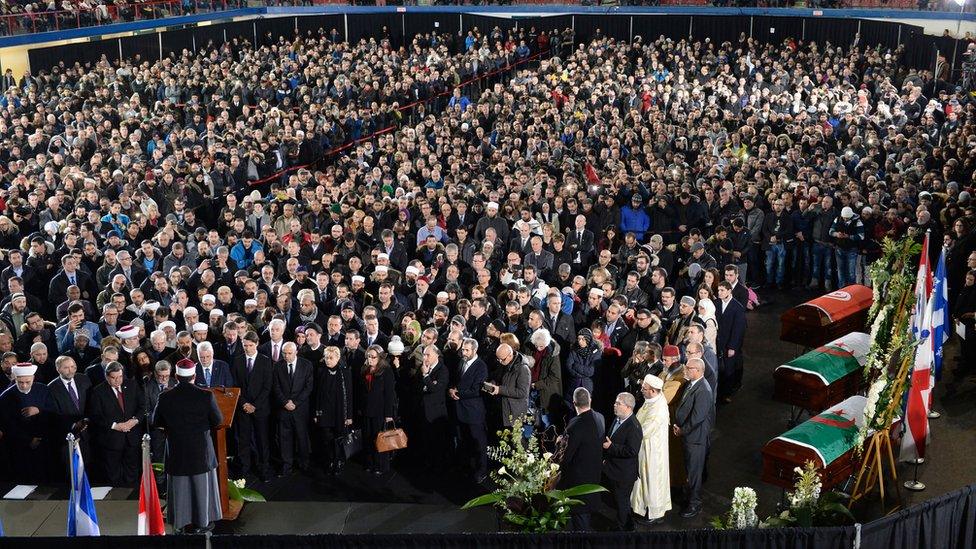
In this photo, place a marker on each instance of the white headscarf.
(709, 309)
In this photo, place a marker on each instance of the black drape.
(325, 23)
(879, 32)
(175, 42)
(719, 28)
(799, 538)
(269, 30)
(144, 45)
(369, 25)
(422, 23)
(948, 522)
(242, 30)
(773, 30)
(556, 22)
(87, 53)
(617, 27)
(485, 23)
(839, 32)
(652, 27)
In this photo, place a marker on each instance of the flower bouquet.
(526, 480)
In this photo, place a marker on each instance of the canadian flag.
(150, 512)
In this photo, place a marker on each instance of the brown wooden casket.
(828, 439)
(824, 376)
(827, 317)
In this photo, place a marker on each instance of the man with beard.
(26, 414)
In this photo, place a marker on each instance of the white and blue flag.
(82, 520)
(940, 313)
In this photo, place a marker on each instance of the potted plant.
(525, 493)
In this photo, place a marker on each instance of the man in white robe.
(651, 497)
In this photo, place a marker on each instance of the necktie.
(162, 387)
(250, 364)
(118, 396)
(73, 393)
(257, 227)
(291, 370)
(71, 279)
(274, 354)
(206, 375)
(616, 423)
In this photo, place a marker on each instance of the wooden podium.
(227, 402)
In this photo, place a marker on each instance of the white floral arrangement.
(893, 293)
(808, 487)
(743, 512)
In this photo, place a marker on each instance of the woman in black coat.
(333, 405)
(379, 390)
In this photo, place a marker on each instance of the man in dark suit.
(693, 423)
(292, 389)
(579, 243)
(583, 458)
(728, 342)
(434, 379)
(470, 408)
(621, 448)
(211, 373)
(560, 325)
(739, 291)
(69, 275)
(116, 408)
(187, 414)
(253, 374)
(228, 349)
(155, 384)
(69, 396)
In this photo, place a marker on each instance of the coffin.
(824, 376)
(827, 439)
(827, 317)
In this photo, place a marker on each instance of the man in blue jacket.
(634, 218)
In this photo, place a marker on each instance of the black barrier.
(401, 27)
(948, 522)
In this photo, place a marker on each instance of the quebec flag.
(940, 317)
(82, 520)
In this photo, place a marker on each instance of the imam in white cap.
(382, 269)
(190, 311)
(358, 278)
(250, 303)
(24, 369)
(127, 332)
(492, 205)
(412, 270)
(200, 327)
(216, 312)
(167, 324)
(654, 381)
(208, 298)
(847, 212)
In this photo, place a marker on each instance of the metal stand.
(914, 484)
(934, 415)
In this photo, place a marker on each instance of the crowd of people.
(518, 226)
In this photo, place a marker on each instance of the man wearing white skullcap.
(188, 413)
(651, 497)
(25, 413)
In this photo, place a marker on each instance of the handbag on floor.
(351, 443)
(390, 440)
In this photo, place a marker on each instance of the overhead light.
(960, 2)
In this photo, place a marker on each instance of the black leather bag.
(351, 443)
